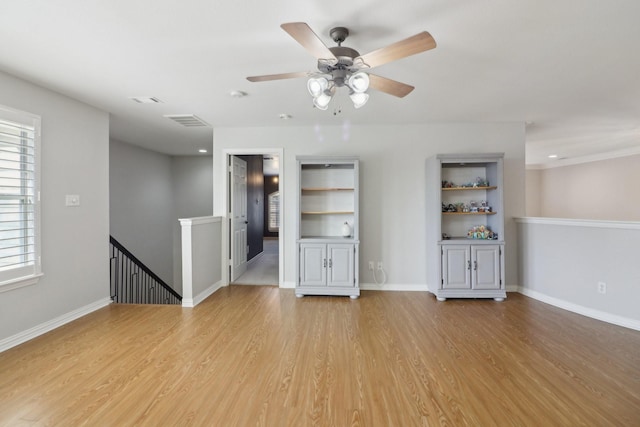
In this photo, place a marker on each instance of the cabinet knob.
(475, 265)
(331, 263)
(468, 265)
(324, 263)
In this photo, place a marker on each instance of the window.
(274, 212)
(19, 199)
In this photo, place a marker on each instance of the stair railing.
(132, 282)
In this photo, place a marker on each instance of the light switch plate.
(72, 200)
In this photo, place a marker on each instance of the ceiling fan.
(340, 66)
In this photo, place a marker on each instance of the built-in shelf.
(465, 242)
(465, 239)
(327, 235)
(468, 188)
(469, 213)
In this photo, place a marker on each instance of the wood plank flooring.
(258, 356)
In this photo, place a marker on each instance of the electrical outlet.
(370, 265)
(602, 288)
(379, 265)
(72, 200)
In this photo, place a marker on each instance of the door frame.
(227, 153)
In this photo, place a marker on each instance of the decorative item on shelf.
(484, 207)
(445, 236)
(346, 229)
(481, 182)
(447, 184)
(481, 232)
(459, 207)
(473, 206)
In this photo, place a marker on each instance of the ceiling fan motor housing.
(339, 70)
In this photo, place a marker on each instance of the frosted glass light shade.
(359, 82)
(359, 99)
(317, 85)
(322, 101)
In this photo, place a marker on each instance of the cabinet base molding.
(346, 292)
(497, 295)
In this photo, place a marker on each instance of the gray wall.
(192, 195)
(602, 190)
(75, 241)
(533, 196)
(149, 192)
(562, 261)
(141, 205)
(392, 183)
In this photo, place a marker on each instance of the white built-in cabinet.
(465, 193)
(328, 194)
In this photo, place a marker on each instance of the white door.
(313, 264)
(341, 265)
(238, 217)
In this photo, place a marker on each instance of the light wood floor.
(252, 356)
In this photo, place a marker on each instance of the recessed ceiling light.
(202, 150)
(285, 116)
(553, 156)
(237, 94)
(146, 99)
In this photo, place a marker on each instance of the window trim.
(28, 276)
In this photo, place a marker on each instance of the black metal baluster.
(131, 281)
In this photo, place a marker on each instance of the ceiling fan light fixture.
(359, 82)
(340, 65)
(359, 99)
(317, 86)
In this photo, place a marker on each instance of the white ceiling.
(569, 68)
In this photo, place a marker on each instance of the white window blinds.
(19, 230)
(274, 212)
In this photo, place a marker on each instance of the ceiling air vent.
(146, 100)
(189, 120)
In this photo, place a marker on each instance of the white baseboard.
(393, 287)
(288, 285)
(52, 324)
(254, 259)
(585, 311)
(190, 303)
(512, 288)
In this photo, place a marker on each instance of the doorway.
(254, 201)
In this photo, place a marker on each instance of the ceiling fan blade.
(421, 42)
(389, 86)
(282, 76)
(304, 35)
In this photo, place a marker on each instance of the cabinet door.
(485, 266)
(341, 265)
(456, 263)
(313, 264)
